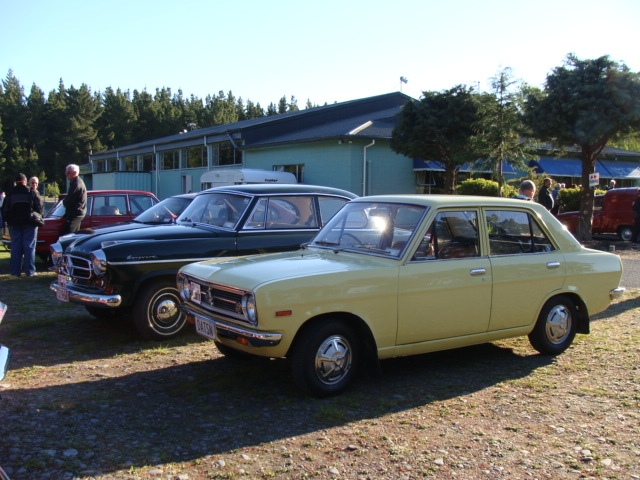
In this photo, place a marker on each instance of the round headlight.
(98, 262)
(249, 308)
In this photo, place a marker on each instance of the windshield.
(378, 228)
(218, 209)
(167, 211)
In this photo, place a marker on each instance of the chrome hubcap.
(333, 359)
(558, 324)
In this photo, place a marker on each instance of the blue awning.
(433, 165)
(561, 167)
(619, 170)
(568, 167)
(436, 166)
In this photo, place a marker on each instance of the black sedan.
(133, 271)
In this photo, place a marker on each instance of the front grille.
(77, 268)
(225, 301)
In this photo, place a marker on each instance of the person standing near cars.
(33, 185)
(635, 233)
(526, 191)
(544, 196)
(16, 210)
(75, 203)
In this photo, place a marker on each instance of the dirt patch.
(88, 399)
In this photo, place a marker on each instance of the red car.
(612, 213)
(104, 207)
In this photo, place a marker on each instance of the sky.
(321, 52)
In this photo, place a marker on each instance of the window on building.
(129, 164)
(196, 157)
(170, 160)
(297, 170)
(111, 165)
(148, 162)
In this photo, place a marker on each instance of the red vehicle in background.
(104, 207)
(612, 213)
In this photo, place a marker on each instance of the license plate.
(62, 293)
(206, 328)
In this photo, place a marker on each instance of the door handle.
(553, 264)
(477, 271)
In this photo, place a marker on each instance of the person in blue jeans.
(16, 210)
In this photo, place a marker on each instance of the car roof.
(111, 192)
(281, 188)
(438, 200)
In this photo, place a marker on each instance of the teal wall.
(341, 165)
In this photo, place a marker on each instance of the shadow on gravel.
(188, 411)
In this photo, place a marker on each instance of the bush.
(52, 190)
(569, 199)
(484, 188)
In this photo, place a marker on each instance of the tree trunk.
(449, 179)
(585, 216)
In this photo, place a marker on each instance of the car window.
(105, 205)
(453, 234)
(329, 206)
(283, 212)
(372, 228)
(515, 233)
(140, 203)
(219, 209)
(164, 212)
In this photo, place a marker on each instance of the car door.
(526, 267)
(445, 291)
(108, 209)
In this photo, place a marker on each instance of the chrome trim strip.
(88, 298)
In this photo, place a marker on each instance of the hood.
(144, 234)
(252, 271)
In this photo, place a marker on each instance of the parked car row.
(336, 283)
(131, 269)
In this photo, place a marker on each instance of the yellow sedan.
(403, 275)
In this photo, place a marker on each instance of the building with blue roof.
(344, 145)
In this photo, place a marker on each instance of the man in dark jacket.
(75, 203)
(544, 196)
(16, 210)
(635, 233)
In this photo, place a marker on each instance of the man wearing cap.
(16, 210)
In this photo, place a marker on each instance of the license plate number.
(62, 293)
(205, 328)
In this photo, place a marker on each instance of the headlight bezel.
(98, 261)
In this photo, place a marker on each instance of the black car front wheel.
(156, 313)
(326, 358)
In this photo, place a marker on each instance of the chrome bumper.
(253, 338)
(616, 293)
(88, 297)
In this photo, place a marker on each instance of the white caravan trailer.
(224, 177)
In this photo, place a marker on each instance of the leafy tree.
(586, 103)
(500, 127)
(117, 124)
(272, 110)
(439, 126)
(282, 105)
(253, 110)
